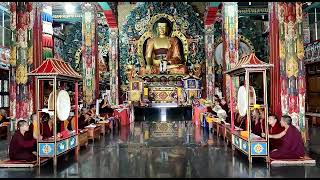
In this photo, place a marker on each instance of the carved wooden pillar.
(210, 73)
(230, 43)
(21, 60)
(37, 49)
(275, 86)
(210, 19)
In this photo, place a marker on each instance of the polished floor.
(159, 150)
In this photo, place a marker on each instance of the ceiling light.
(69, 8)
(249, 3)
(309, 3)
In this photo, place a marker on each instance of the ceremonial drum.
(63, 104)
(242, 99)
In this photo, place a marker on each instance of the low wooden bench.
(215, 127)
(102, 128)
(305, 161)
(21, 163)
(228, 134)
(83, 138)
(93, 132)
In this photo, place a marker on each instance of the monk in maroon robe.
(29, 134)
(274, 128)
(256, 124)
(46, 126)
(292, 146)
(20, 148)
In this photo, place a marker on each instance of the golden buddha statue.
(163, 51)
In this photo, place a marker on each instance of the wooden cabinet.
(313, 87)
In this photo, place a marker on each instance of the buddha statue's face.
(162, 28)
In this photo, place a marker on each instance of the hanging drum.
(63, 105)
(242, 99)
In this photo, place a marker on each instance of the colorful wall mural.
(72, 46)
(103, 56)
(59, 39)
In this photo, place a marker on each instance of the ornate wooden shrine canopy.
(55, 67)
(249, 61)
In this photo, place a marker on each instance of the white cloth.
(47, 27)
(47, 9)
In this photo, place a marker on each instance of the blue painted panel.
(46, 149)
(72, 142)
(259, 148)
(244, 146)
(236, 141)
(62, 146)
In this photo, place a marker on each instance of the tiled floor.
(144, 149)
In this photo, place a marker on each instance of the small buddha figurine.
(164, 50)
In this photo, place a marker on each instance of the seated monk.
(85, 120)
(29, 134)
(240, 121)
(105, 107)
(225, 107)
(256, 126)
(46, 127)
(3, 116)
(292, 146)
(274, 128)
(20, 148)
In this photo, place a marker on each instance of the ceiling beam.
(313, 5)
(110, 17)
(211, 12)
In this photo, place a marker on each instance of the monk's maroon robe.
(256, 128)
(292, 145)
(20, 148)
(29, 134)
(276, 129)
(45, 130)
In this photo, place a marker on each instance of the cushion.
(306, 160)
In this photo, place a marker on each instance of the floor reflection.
(159, 150)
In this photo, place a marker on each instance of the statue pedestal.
(163, 88)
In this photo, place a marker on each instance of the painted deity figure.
(163, 50)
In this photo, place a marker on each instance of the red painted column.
(95, 51)
(37, 52)
(275, 85)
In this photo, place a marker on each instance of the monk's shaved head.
(22, 123)
(287, 119)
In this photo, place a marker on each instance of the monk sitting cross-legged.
(20, 148)
(292, 146)
(274, 128)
